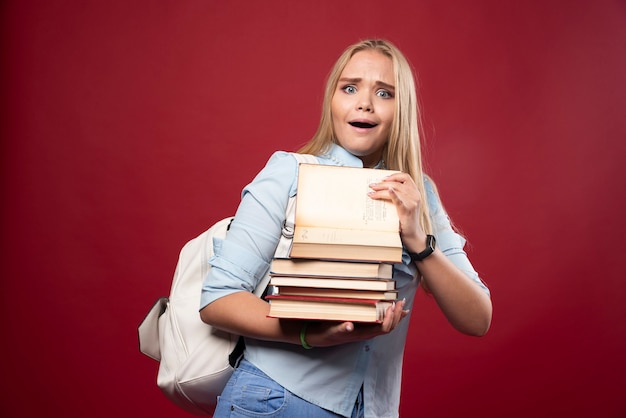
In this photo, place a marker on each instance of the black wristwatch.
(430, 248)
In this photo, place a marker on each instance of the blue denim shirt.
(330, 377)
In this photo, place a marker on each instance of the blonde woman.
(369, 119)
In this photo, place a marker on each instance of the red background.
(128, 127)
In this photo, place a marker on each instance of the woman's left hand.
(463, 302)
(402, 191)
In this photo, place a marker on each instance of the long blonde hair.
(403, 150)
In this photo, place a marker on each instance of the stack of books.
(344, 245)
(330, 290)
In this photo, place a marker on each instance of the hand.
(402, 191)
(326, 333)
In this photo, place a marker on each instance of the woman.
(369, 119)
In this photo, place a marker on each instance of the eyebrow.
(358, 80)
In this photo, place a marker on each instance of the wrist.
(424, 250)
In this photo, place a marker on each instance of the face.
(363, 105)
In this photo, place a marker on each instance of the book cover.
(336, 219)
(307, 267)
(331, 309)
(333, 283)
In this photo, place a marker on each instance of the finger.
(398, 309)
(383, 193)
(341, 328)
(399, 312)
(398, 177)
(380, 187)
(392, 317)
(397, 183)
(389, 191)
(394, 179)
(396, 192)
(334, 333)
(388, 320)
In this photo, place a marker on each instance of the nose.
(364, 103)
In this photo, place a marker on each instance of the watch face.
(431, 242)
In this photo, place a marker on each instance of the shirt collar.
(340, 156)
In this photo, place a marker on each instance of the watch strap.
(430, 248)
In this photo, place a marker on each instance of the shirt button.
(367, 348)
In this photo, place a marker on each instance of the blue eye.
(384, 94)
(350, 89)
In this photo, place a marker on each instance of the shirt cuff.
(233, 269)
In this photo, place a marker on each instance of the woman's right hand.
(327, 333)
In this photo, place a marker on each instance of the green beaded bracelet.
(302, 335)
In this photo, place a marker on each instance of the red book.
(334, 283)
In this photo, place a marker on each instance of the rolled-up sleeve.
(242, 259)
(448, 240)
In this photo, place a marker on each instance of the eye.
(350, 89)
(384, 94)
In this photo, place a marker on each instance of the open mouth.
(364, 125)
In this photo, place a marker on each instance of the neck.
(372, 162)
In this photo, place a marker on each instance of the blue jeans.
(251, 393)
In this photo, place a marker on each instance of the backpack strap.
(284, 244)
(290, 213)
(305, 158)
(282, 250)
